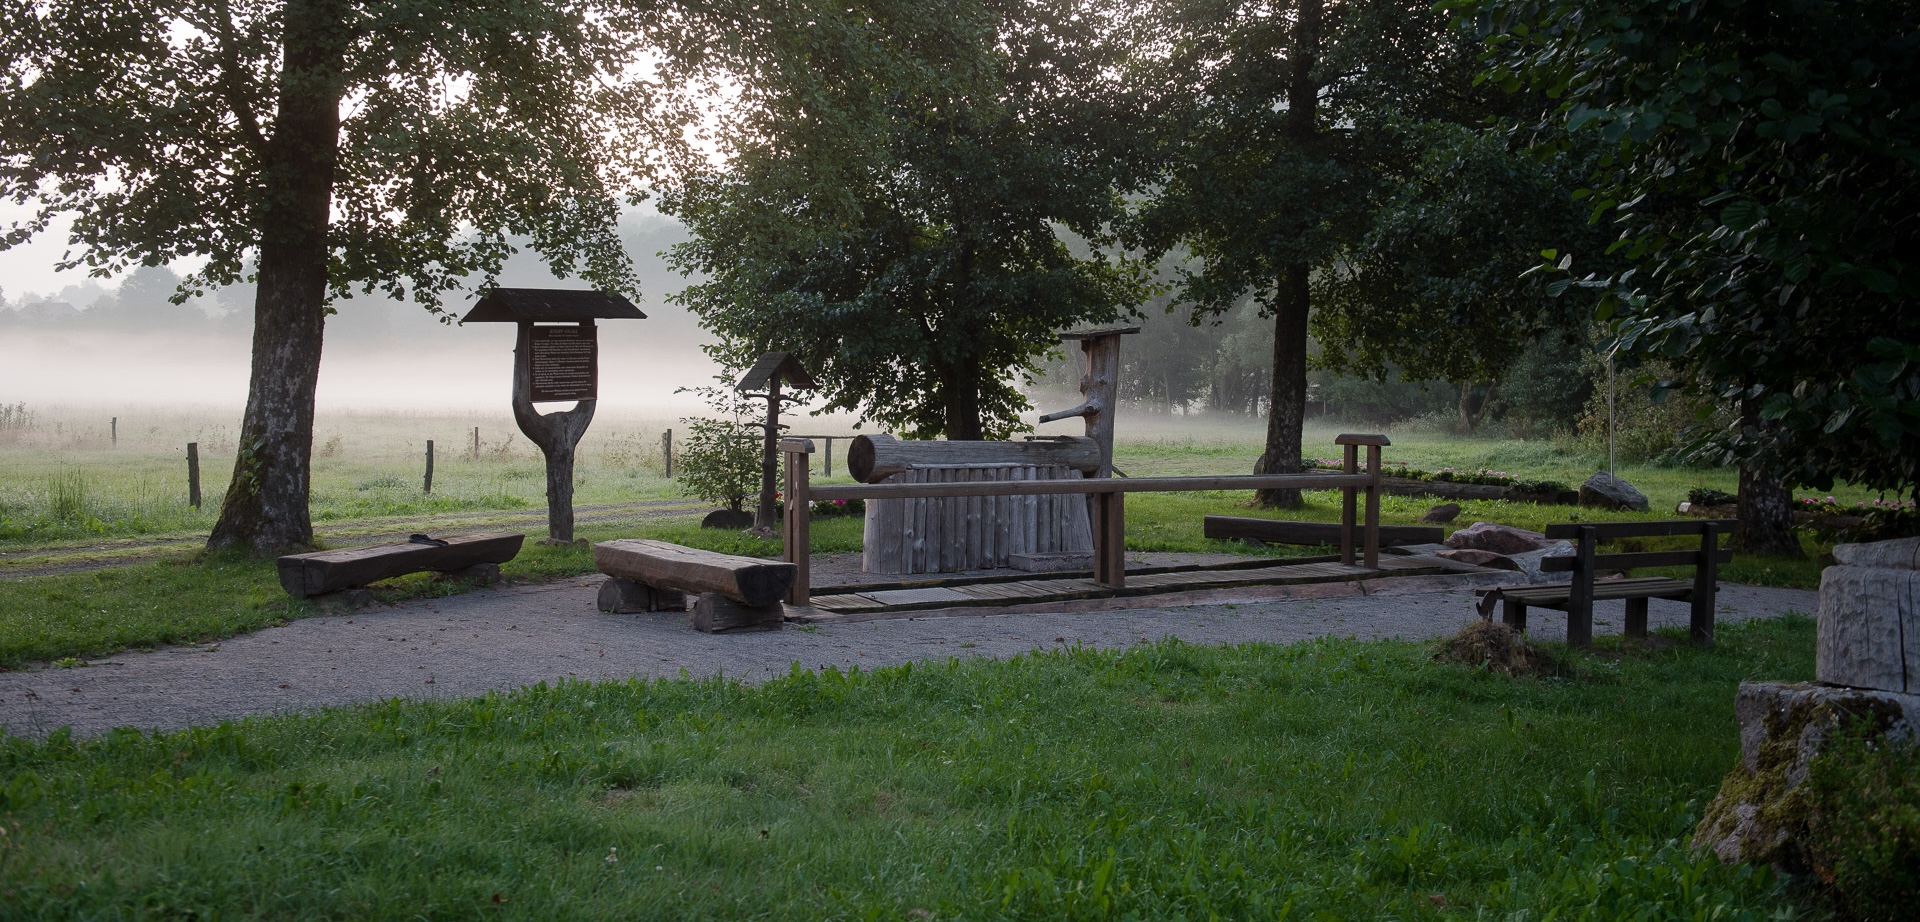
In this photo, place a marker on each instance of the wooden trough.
(948, 534)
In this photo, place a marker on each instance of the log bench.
(1576, 597)
(321, 572)
(734, 593)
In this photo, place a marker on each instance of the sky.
(378, 354)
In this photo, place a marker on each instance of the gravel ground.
(508, 638)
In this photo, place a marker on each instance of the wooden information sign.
(566, 363)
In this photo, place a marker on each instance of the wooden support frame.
(1107, 496)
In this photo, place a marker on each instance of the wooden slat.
(308, 575)
(747, 580)
(1665, 528)
(1633, 559)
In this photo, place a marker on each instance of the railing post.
(796, 525)
(1110, 538)
(1370, 557)
(1349, 465)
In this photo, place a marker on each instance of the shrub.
(720, 462)
(1863, 824)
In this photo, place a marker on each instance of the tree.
(1438, 286)
(1763, 175)
(897, 180)
(1270, 115)
(336, 144)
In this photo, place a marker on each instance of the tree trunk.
(960, 379)
(1286, 408)
(1766, 503)
(265, 509)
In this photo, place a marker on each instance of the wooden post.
(193, 474)
(1110, 538)
(666, 453)
(1350, 464)
(764, 518)
(1349, 514)
(476, 443)
(557, 434)
(427, 486)
(1706, 577)
(1372, 558)
(1580, 596)
(796, 530)
(113, 431)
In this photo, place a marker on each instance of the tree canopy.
(900, 187)
(1276, 122)
(1762, 170)
(325, 147)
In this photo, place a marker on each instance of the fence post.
(193, 474)
(113, 430)
(666, 452)
(427, 487)
(476, 443)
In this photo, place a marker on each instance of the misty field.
(73, 476)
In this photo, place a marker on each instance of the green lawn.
(1327, 780)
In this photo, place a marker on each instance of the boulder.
(1442, 514)
(1500, 539)
(1783, 728)
(1480, 558)
(1869, 634)
(1529, 562)
(730, 519)
(1609, 492)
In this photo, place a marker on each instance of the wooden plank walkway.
(988, 591)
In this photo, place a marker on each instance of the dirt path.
(506, 639)
(125, 552)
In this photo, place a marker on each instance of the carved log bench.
(1576, 597)
(734, 593)
(322, 572)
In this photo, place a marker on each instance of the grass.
(1333, 779)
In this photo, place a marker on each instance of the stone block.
(1783, 726)
(1898, 554)
(1869, 633)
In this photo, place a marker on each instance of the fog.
(121, 344)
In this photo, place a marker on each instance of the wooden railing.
(1109, 516)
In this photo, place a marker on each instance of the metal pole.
(1610, 422)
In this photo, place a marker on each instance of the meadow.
(1334, 779)
(1326, 780)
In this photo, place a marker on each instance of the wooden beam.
(1280, 531)
(747, 580)
(873, 458)
(1110, 485)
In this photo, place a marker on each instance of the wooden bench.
(322, 572)
(1576, 597)
(735, 593)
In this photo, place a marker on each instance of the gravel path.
(505, 639)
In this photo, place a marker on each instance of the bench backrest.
(1708, 556)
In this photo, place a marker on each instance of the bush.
(720, 462)
(1864, 824)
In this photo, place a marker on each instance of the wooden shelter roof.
(551, 305)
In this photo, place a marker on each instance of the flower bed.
(1402, 479)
